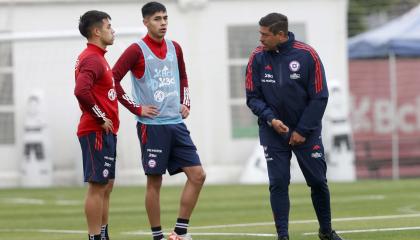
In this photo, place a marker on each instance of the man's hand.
(279, 126)
(107, 125)
(185, 111)
(149, 111)
(296, 139)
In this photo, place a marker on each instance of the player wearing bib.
(160, 102)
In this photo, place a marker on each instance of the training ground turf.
(382, 210)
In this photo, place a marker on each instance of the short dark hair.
(275, 22)
(91, 19)
(151, 8)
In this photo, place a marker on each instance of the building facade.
(40, 41)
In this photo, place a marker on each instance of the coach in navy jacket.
(286, 89)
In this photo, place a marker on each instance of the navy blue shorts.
(99, 156)
(166, 147)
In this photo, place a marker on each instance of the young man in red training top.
(161, 102)
(95, 92)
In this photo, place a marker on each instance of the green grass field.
(382, 210)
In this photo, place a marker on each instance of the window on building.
(242, 39)
(7, 116)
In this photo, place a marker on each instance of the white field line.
(34, 201)
(248, 225)
(312, 221)
(357, 198)
(24, 201)
(44, 231)
(210, 234)
(410, 209)
(371, 230)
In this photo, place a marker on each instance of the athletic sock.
(157, 233)
(104, 232)
(94, 237)
(181, 226)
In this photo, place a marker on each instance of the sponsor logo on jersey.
(159, 96)
(154, 150)
(166, 81)
(294, 66)
(151, 163)
(105, 173)
(294, 76)
(268, 78)
(107, 164)
(109, 158)
(112, 94)
(316, 155)
(268, 67)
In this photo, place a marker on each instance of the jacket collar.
(288, 43)
(96, 48)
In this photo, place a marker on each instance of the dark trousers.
(310, 157)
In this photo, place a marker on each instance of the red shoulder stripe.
(318, 72)
(249, 84)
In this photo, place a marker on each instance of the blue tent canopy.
(400, 36)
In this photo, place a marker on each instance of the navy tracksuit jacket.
(289, 84)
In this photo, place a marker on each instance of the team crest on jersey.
(112, 94)
(294, 66)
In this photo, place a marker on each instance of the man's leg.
(94, 207)
(312, 163)
(105, 210)
(184, 158)
(195, 180)
(152, 203)
(278, 166)
(99, 170)
(189, 197)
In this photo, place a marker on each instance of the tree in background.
(364, 15)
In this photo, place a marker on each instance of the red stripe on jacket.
(318, 72)
(248, 83)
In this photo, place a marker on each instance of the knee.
(198, 178)
(109, 188)
(279, 186)
(154, 182)
(318, 183)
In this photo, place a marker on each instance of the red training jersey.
(95, 91)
